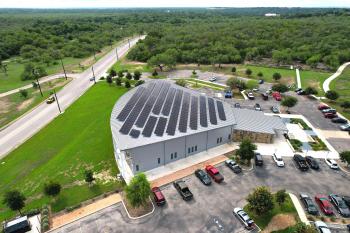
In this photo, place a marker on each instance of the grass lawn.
(314, 79)
(262, 221)
(196, 83)
(13, 106)
(124, 64)
(76, 140)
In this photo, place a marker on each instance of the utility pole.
(36, 76)
(129, 42)
(58, 105)
(116, 51)
(64, 70)
(95, 55)
(93, 73)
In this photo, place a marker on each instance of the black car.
(203, 176)
(346, 199)
(298, 89)
(339, 120)
(301, 162)
(233, 166)
(258, 159)
(312, 162)
(340, 205)
(257, 107)
(264, 96)
(237, 105)
(309, 204)
(261, 81)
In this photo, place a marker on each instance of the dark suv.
(258, 159)
(301, 162)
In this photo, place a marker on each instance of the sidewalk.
(64, 219)
(299, 209)
(298, 78)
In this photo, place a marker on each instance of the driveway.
(211, 209)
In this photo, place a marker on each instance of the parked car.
(346, 199)
(339, 120)
(237, 105)
(312, 162)
(228, 94)
(275, 109)
(324, 204)
(277, 96)
(309, 204)
(330, 115)
(257, 107)
(301, 92)
(331, 163)
(183, 190)
(340, 205)
(158, 196)
(203, 177)
(214, 173)
(345, 127)
(329, 110)
(298, 89)
(233, 166)
(258, 159)
(278, 159)
(323, 106)
(50, 100)
(244, 218)
(301, 162)
(264, 96)
(261, 81)
(251, 96)
(212, 79)
(322, 227)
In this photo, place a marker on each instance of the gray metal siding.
(174, 146)
(199, 140)
(146, 157)
(215, 134)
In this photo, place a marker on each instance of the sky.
(169, 3)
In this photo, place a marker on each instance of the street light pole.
(64, 70)
(58, 105)
(129, 43)
(116, 51)
(36, 76)
(95, 55)
(93, 73)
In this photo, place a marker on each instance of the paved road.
(211, 209)
(334, 76)
(30, 123)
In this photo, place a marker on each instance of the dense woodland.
(203, 36)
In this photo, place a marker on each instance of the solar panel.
(161, 99)
(184, 112)
(134, 133)
(203, 112)
(159, 131)
(149, 105)
(194, 113)
(130, 104)
(221, 110)
(147, 131)
(168, 102)
(174, 113)
(212, 113)
(130, 120)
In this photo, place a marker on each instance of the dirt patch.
(105, 177)
(280, 222)
(25, 104)
(139, 211)
(4, 105)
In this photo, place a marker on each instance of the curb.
(135, 218)
(299, 208)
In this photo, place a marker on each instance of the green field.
(124, 64)
(314, 79)
(76, 140)
(13, 106)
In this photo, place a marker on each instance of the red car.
(158, 196)
(324, 204)
(323, 106)
(277, 96)
(330, 115)
(214, 173)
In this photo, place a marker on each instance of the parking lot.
(211, 209)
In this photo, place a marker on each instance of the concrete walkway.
(334, 76)
(298, 78)
(299, 209)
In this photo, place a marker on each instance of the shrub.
(276, 76)
(296, 144)
(137, 75)
(155, 73)
(260, 74)
(32, 212)
(281, 196)
(233, 69)
(332, 95)
(23, 93)
(280, 88)
(181, 82)
(52, 189)
(127, 84)
(118, 81)
(128, 76)
(248, 72)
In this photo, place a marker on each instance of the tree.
(163, 59)
(260, 75)
(248, 72)
(260, 201)
(118, 81)
(3, 67)
(138, 190)
(89, 176)
(332, 95)
(155, 73)
(251, 84)
(181, 82)
(112, 73)
(109, 80)
(289, 102)
(236, 83)
(120, 74)
(128, 76)
(345, 157)
(14, 200)
(23, 93)
(246, 150)
(32, 72)
(137, 75)
(127, 84)
(280, 88)
(281, 196)
(276, 76)
(52, 189)
(301, 227)
(345, 105)
(311, 91)
(233, 69)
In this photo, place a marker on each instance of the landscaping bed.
(301, 122)
(137, 211)
(318, 144)
(296, 144)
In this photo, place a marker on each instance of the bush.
(71, 208)
(276, 76)
(332, 95)
(296, 144)
(23, 93)
(118, 81)
(280, 88)
(248, 72)
(281, 196)
(311, 91)
(137, 75)
(128, 76)
(32, 212)
(301, 122)
(181, 82)
(127, 84)
(260, 75)
(251, 84)
(45, 211)
(45, 227)
(155, 73)
(233, 70)
(52, 189)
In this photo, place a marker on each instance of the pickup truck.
(183, 190)
(214, 173)
(301, 162)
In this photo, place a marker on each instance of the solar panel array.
(160, 107)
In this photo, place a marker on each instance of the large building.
(159, 122)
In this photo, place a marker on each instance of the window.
(195, 148)
(217, 141)
(220, 139)
(137, 167)
(229, 136)
(158, 160)
(175, 155)
(192, 148)
(171, 156)
(189, 150)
